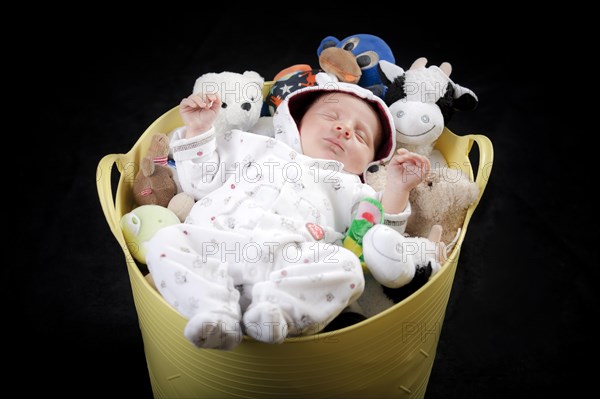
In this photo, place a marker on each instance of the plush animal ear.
(389, 72)
(206, 83)
(147, 167)
(456, 98)
(393, 77)
(159, 146)
(464, 99)
(255, 77)
(329, 41)
(446, 68)
(419, 63)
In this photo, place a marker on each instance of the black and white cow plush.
(422, 101)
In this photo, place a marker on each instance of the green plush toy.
(141, 224)
(369, 213)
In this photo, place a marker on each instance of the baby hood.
(290, 112)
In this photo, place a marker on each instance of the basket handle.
(486, 159)
(103, 183)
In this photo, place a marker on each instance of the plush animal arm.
(181, 205)
(435, 236)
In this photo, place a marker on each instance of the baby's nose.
(343, 130)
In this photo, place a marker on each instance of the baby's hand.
(406, 170)
(199, 112)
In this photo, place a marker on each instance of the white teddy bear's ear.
(254, 76)
(207, 80)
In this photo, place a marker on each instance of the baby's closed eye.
(364, 137)
(330, 116)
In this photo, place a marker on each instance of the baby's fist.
(407, 169)
(199, 112)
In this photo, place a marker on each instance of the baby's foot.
(265, 322)
(214, 331)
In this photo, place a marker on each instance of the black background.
(518, 319)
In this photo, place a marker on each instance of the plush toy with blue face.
(352, 60)
(367, 51)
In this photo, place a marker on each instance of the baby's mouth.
(335, 143)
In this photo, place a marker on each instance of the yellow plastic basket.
(388, 355)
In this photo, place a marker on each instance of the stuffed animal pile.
(353, 60)
(421, 99)
(156, 182)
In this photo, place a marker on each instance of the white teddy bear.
(242, 100)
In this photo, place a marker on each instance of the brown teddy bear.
(154, 184)
(441, 199)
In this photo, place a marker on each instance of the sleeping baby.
(260, 253)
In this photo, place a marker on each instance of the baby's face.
(343, 128)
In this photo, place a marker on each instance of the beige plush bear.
(443, 199)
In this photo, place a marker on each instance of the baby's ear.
(255, 77)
